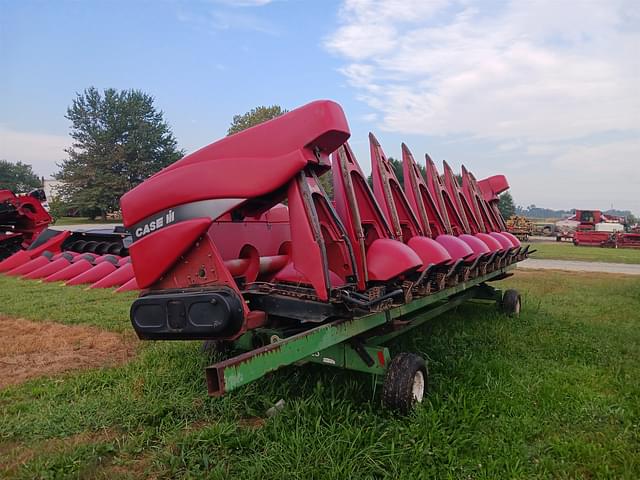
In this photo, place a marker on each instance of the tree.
(506, 205)
(119, 140)
(58, 208)
(18, 177)
(254, 117)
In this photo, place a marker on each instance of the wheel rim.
(418, 387)
(516, 310)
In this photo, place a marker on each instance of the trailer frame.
(353, 344)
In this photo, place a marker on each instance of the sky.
(544, 92)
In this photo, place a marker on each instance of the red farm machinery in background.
(31, 250)
(239, 245)
(22, 219)
(601, 230)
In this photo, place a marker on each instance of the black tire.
(511, 303)
(558, 238)
(406, 382)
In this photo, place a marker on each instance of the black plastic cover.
(188, 315)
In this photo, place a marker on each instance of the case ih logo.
(153, 225)
(211, 209)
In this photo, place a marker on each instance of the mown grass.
(552, 394)
(36, 300)
(568, 251)
(83, 220)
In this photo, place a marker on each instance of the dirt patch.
(16, 455)
(252, 422)
(33, 349)
(136, 467)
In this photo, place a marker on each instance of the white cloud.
(369, 117)
(527, 75)
(370, 27)
(226, 17)
(241, 20)
(41, 150)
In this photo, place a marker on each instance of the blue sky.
(544, 92)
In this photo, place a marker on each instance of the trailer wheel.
(511, 303)
(405, 383)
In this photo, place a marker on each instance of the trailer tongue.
(220, 258)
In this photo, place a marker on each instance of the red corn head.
(31, 265)
(94, 274)
(50, 268)
(116, 278)
(130, 285)
(79, 266)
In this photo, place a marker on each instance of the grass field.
(35, 300)
(82, 220)
(568, 251)
(552, 394)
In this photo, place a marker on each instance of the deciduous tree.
(506, 205)
(254, 117)
(120, 139)
(17, 177)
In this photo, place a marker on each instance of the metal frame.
(354, 344)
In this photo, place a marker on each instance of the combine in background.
(597, 229)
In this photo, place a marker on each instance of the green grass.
(568, 251)
(83, 220)
(35, 300)
(552, 394)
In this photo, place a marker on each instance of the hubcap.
(517, 309)
(418, 386)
